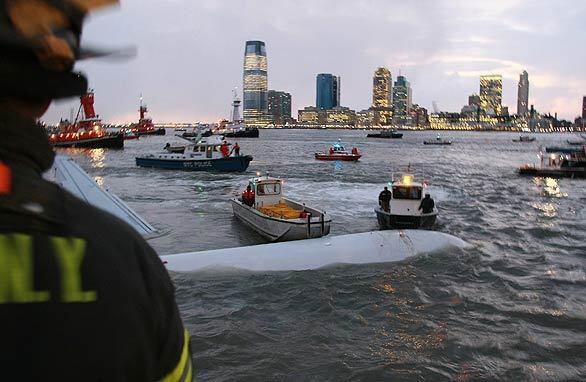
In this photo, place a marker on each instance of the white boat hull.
(275, 229)
(360, 248)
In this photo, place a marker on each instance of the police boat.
(207, 154)
(264, 208)
(406, 196)
(339, 152)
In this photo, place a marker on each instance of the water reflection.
(97, 157)
(549, 187)
(99, 180)
(549, 210)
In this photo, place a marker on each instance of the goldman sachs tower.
(255, 84)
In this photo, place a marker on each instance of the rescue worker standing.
(82, 295)
(248, 196)
(384, 199)
(427, 204)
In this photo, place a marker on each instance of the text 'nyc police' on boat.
(264, 208)
(207, 154)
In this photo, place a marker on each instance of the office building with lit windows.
(584, 108)
(523, 95)
(327, 91)
(279, 107)
(491, 93)
(255, 87)
(382, 88)
(401, 100)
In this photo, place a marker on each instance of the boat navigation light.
(407, 180)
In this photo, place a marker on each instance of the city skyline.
(186, 70)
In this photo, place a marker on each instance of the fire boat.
(339, 152)
(145, 125)
(87, 132)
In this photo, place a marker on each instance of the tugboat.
(208, 154)
(386, 133)
(145, 125)
(437, 141)
(404, 213)
(88, 132)
(236, 128)
(339, 152)
(559, 165)
(263, 208)
(129, 134)
(524, 138)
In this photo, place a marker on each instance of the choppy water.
(513, 307)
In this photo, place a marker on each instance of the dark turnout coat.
(82, 295)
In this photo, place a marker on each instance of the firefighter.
(82, 295)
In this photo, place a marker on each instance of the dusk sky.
(190, 53)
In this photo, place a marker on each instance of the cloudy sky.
(190, 52)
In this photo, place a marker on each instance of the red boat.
(87, 132)
(339, 152)
(145, 125)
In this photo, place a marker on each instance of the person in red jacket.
(248, 196)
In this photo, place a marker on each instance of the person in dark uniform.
(384, 198)
(82, 295)
(427, 204)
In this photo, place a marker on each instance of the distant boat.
(437, 141)
(559, 165)
(524, 138)
(339, 152)
(145, 125)
(386, 133)
(88, 132)
(562, 150)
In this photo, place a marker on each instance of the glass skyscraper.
(327, 91)
(255, 84)
(523, 95)
(491, 93)
(401, 97)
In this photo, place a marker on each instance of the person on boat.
(248, 196)
(82, 294)
(331, 150)
(384, 199)
(427, 204)
(224, 149)
(354, 151)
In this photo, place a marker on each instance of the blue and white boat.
(207, 154)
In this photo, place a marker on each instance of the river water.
(512, 307)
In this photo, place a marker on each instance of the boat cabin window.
(268, 189)
(404, 192)
(201, 149)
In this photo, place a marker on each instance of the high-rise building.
(401, 97)
(382, 88)
(279, 107)
(523, 95)
(491, 93)
(474, 100)
(255, 84)
(327, 95)
(584, 108)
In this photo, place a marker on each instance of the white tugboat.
(404, 212)
(264, 208)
